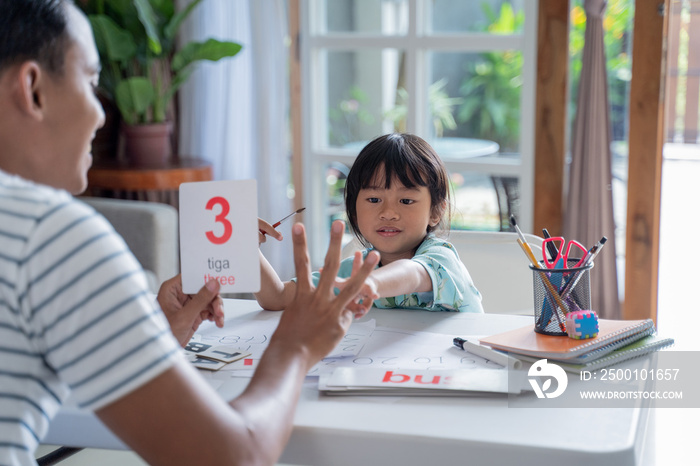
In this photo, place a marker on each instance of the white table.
(352, 430)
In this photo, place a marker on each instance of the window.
(459, 74)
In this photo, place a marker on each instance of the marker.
(487, 353)
(592, 253)
(285, 218)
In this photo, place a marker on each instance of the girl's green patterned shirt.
(453, 288)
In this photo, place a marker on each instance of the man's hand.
(364, 299)
(317, 319)
(186, 312)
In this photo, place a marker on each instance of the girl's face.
(394, 220)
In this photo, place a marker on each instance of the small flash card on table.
(219, 235)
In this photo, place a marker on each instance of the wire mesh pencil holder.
(558, 292)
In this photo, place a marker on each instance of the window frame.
(417, 45)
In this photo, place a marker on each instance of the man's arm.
(176, 418)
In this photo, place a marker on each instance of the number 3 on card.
(220, 218)
(219, 235)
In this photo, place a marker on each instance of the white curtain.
(233, 113)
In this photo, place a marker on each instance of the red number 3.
(221, 218)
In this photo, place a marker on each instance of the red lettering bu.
(435, 381)
(389, 376)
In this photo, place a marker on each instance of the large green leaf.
(134, 96)
(165, 8)
(174, 24)
(150, 23)
(113, 42)
(212, 50)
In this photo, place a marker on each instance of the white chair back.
(499, 268)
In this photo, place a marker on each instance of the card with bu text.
(219, 235)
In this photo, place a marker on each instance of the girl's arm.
(403, 276)
(274, 294)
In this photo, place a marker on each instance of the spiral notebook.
(612, 334)
(641, 347)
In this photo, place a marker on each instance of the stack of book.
(426, 382)
(617, 341)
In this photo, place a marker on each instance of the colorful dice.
(582, 324)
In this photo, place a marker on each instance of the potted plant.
(142, 70)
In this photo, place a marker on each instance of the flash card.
(223, 353)
(196, 347)
(219, 235)
(207, 364)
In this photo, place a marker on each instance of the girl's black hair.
(34, 30)
(407, 159)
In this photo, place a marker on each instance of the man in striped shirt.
(75, 315)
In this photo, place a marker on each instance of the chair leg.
(57, 456)
(501, 200)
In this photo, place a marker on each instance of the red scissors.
(561, 260)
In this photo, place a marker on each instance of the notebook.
(451, 382)
(612, 334)
(641, 347)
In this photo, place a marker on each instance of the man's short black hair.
(33, 30)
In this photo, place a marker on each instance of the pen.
(551, 248)
(487, 353)
(285, 218)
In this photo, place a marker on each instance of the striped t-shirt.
(76, 316)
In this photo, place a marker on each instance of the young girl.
(396, 196)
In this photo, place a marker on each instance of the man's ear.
(31, 82)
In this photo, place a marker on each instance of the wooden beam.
(295, 105)
(646, 138)
(550, 114)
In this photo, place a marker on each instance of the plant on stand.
(142, 70)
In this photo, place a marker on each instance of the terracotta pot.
(148, 145)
